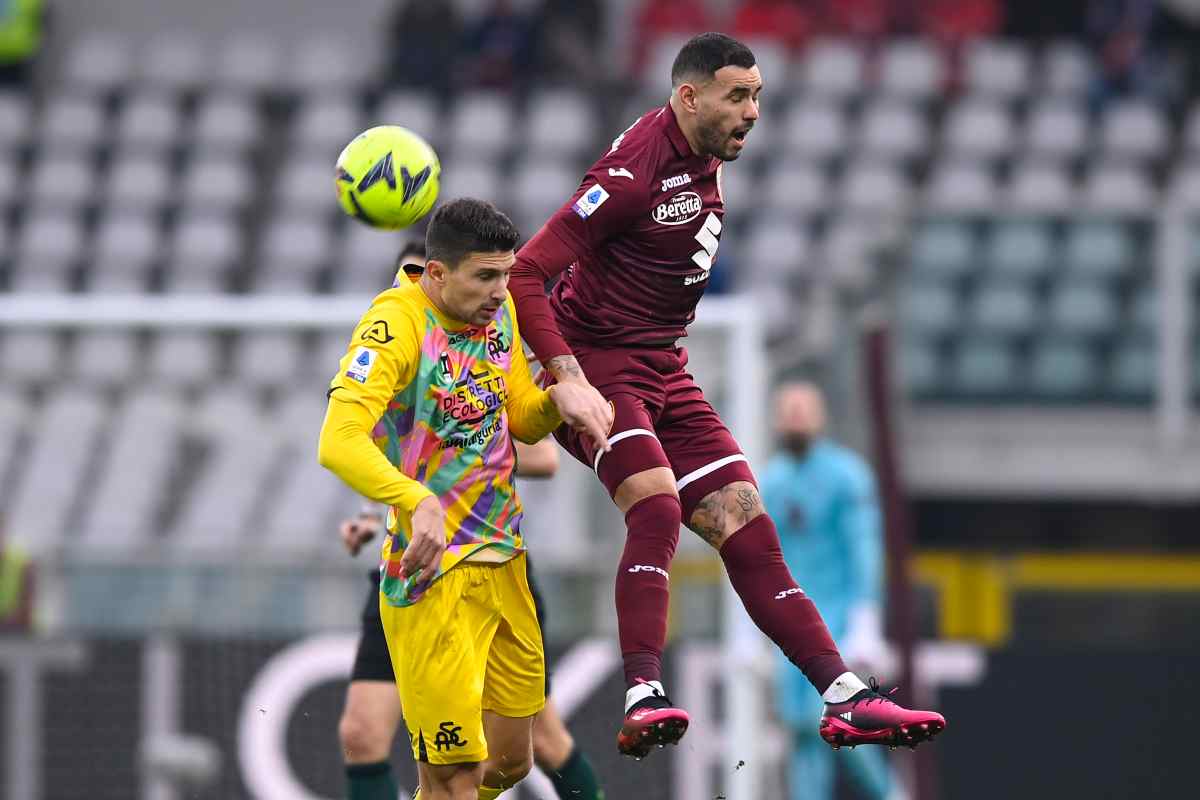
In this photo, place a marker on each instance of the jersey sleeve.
(382, 359)
(613, 193)
(532, 415)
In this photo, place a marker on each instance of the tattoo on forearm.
(564, 366)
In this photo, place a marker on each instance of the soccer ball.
(387, 177)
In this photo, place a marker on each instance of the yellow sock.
(487, 793)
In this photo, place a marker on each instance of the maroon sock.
(775, 602)
(643, 590)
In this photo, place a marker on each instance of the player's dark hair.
(415, 248)
(703, 55)
(467, 225)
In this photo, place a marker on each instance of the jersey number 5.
(709, 237)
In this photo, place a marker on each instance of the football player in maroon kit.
(634, 248)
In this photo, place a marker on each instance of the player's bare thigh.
(640, 485)
(369, 721)
(722, 513)
(510, 749)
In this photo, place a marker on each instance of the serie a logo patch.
(361, 363)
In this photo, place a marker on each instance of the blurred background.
(972, 223)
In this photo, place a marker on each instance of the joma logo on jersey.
(676, 181)
(683, 207)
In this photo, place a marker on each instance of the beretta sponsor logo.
(683, 207)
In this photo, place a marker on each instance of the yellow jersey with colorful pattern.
(448, 398)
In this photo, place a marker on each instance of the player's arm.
(537, 460)
(361, 528)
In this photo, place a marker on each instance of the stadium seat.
(814, 130)
(1118, 189)
(998, 69)
(912, 69)
(10, 183)
(539, 188)
(1134, 130)
(322, 361)
(30, 356)
(50, 240)
(217, 512)
(561, 123)
(1038, 187)
(920, 369)
(129, 238)
(15, 413)
(1003, 308)
(1099, 249)
(148, 121)
(1063, 369)
(72, 122)
(1066, 70)
(249, 62)
(139, 183)
(1133, 370)
(98, 62)
(206, 239)
(16, 119)
(741, 187)
(218, 183)
(961, 187)
(175, 61)
(1080, 307)
(416, 111)
(1020, 251)
(832, 69)
(798, 188)
(1143, 315)
(874, 188)
(892, 130)
(304, 186)
(114, 277)
(981, 130)
(368, 251)
(300, 246)
(984, 367)
(188, 357)
(1183, 190)
(1056, 130)
(62, 182)
(942, 250)
(203, 278)
(323, 125)
(775, 253)
(848, 251)
(133, 479)
(482, 125)
(106, 358)
(266, 358)
(772, 58)
(227, 122)
(63, 437)
(472, 177)
(930, 309)
(330, 64)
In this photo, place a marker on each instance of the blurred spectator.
(822, 497)
(954, 22)
(1119, 32)
(16, 587)
(423, 44)
(570, 33)
(662, 18)
(498, 47)
(861, 18)
(22, 27)
(786, 21)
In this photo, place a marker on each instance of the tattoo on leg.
(724, 511)
(708, 520)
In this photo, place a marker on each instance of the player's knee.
(363, 740)
(643, 486)
(505, 770)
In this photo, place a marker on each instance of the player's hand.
(360, 529)
(583, 408)
(423, 555)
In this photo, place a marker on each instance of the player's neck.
(434, 296)
(689, 132)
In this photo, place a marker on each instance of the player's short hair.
(415, 248)
(703, 55)
(467, 225)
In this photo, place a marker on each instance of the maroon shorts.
(661, 419)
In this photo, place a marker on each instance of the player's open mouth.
(739, 135)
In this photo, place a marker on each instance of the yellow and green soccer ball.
(387, 177)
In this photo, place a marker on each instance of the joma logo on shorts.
(786, 592)
(648, 568)
(447, 737)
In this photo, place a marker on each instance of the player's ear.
(688, 96)
(436, 270)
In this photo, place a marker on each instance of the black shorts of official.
(372, 662)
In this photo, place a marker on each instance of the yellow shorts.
(471, 643)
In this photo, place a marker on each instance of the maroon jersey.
(640, 236)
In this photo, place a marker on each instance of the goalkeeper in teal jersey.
(822, 497)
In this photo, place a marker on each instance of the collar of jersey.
(675, 134)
